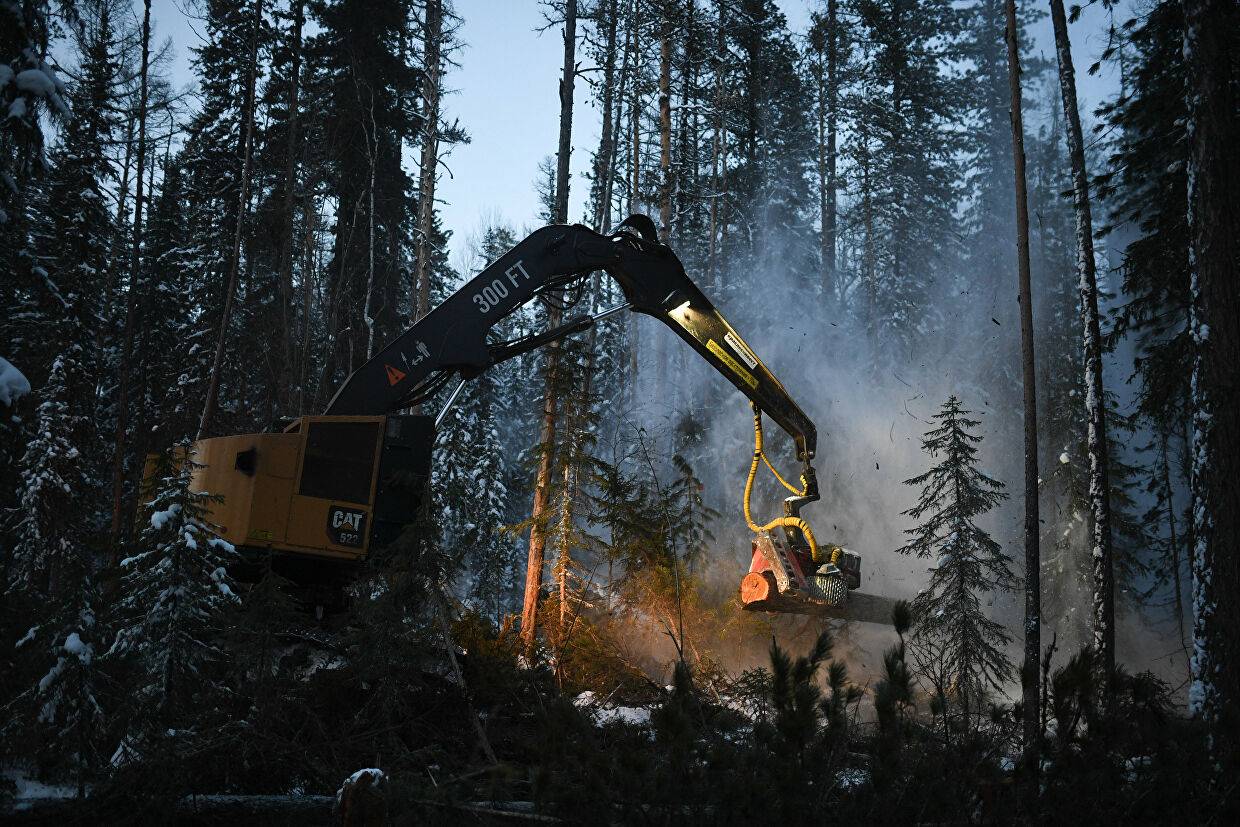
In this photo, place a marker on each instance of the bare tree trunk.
(830, 220)
(234, 264)
(1095, 399)
(823, 206)
(131, 299)
(826, 43)
(122, 196)
(635, 110)
(1211, 35)
(1173, 535)
(665, 128)
(564, 150)
(542, 485)
(308, 267)
(284, 373)
(605, 161)
(718, 151)
(1030, 675)
(372, 158)
(685, 169)
(429, 172)
(665, 179)
(869, 256)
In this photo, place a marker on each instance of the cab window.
(340, 461)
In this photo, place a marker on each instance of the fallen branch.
(492, 811)
(460, 677)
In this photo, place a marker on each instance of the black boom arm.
(452, 338)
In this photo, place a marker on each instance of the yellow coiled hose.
(780, 522)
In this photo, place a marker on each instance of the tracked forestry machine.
(315, 496)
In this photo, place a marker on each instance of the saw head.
(784, 580)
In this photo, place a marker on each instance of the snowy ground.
(29, 791)
(605, 713)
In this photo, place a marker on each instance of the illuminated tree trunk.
(542, 484)
(1095, 400)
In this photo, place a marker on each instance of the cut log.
(760, 594)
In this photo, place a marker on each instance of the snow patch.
(41, 83)
(160, 518)
(30, 790)
(52, 675)
(376, 778)
(13, 385)
(36, 82)
(603, 714)
(127, 752)
(74, 645)
(29, 636)
(852, 777)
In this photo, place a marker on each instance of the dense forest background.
(179, 263)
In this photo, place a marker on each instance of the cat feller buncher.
(315, 496)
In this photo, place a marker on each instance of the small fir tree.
(954, 493)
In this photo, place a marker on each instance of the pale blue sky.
(505, 95)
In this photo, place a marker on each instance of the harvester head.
(786, 581)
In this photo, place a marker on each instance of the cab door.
(332, 508)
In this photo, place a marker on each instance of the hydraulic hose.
(781, 522)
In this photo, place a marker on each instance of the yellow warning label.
(725, 357)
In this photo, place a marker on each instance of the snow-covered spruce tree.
(32, 94)
(210, 171)
(468, 486)
(54, 551)
(368, 90)
(174, 588)
(175, 345)
(909, 96)
(54, 567)
(954, 493)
